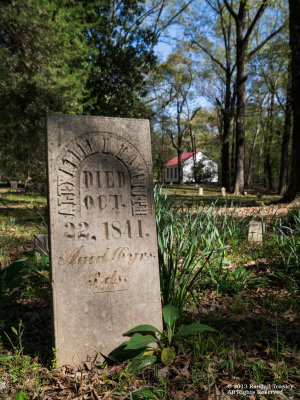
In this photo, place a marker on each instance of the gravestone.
(41, 244)
(256, 231)
(201, 191)
(223, 191)
(105, 277)
(28, 185)
(14, 184)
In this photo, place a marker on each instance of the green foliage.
(21, 396)
(124, 55)
(202, 172)
(232, 282)
(167, 356)
(11, 281)
(190, 243)
(18, 363)
(144, 394)
(17, 366)
(44, 68)
(14, 279)
(137, 347)
(178, 241)
(287, 236)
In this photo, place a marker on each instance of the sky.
(165, 47)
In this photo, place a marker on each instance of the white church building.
(209, 169)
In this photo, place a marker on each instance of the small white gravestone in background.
(105, 277)
(41, 245)
(256, 231)
(14, 184)
(223, 191)
(200, 191)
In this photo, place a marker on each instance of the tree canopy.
(229, 62)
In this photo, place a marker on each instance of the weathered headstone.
(14, 184)
(201, 191)
(256, 231)
(41, 244)
(105, 277)
(223, 191)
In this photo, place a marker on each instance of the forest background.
(226, 87)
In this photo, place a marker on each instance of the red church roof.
(174, 160)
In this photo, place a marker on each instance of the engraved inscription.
(107, 271)
(66, 178)
(101, 282)
(129, 229)
(125, 255)
(71, 166)
(104, 179)
(102, 233)
(104, 190)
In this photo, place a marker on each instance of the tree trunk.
(293, 191)
(179, 147)
(270, 127)
(240, 107)
(248, 178)
(227, 117)
(225, 152)
(180, 175)
(193, 141)
(232, 161)
(286, 140)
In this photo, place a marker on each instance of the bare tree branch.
(210, 55)
(230, 9)
(255, 19)
(252, 52)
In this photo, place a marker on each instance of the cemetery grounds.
(247, 291)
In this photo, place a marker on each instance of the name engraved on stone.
(102, 233)
(82, 152)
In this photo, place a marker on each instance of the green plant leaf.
(142, 362)
(144, 393)
(170, 314)
(167, 356)
(14, 330)
(138, 341)
(21, 396)
(121, 354)
(143, 329)
(194, 328)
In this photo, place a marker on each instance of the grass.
(19, 222)
(249, 294)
